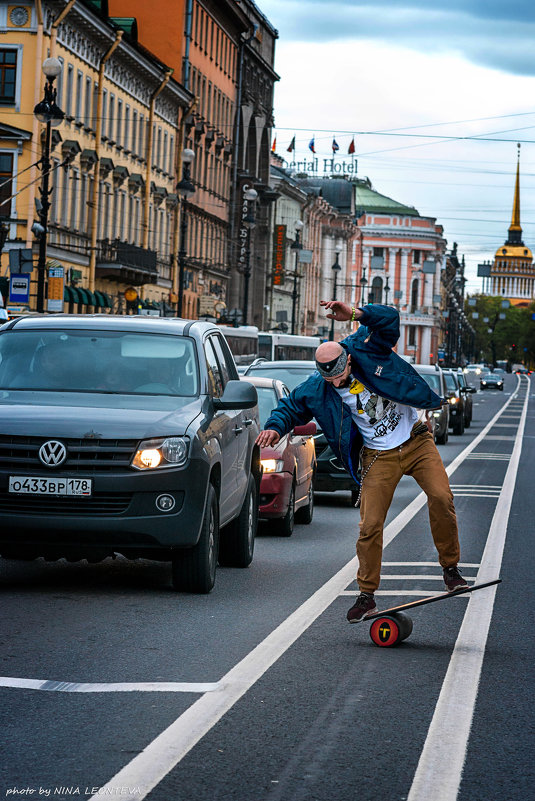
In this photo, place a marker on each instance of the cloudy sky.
(436, 94)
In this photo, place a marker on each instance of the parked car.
(455, 400)
(433, 375)
(287, 485)
(467, 392)
(491, 381)
(130, 435)
(331, 475)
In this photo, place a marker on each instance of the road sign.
(56, 278)
(19, 288)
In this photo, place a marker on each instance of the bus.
(277, 347)
(242, 341)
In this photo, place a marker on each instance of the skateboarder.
(365, 397)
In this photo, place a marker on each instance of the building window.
(8, 76)
(416, 257)
(79, 89)
(412, 336)
(68, 90)
(414, 296)
(377, 290)
(111, 121)
(6, 174)
(103, 125)
(134, 131)
(88, 101)
(127, 128)
(73, 223)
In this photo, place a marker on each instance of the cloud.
(483, 31)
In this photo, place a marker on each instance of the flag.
(291, 146)
(335, 146)
(274, 145)
(351, 148)
(311, 145)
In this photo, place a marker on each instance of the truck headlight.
(164, 452)
(272, 465)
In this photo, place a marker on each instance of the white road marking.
(422, 593)
(148, 768)
(50, 685)
(425, 564)
(412, 577)
(439, 771)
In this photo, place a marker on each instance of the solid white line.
(475, 495)
(49, 685)
(439, 771)
(160, 756)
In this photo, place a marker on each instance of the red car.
(287, 485)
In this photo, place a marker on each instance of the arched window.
(414, 295)
(377, 290)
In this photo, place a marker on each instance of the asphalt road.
(114, 685)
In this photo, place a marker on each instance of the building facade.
(512, 274)
(113, 214)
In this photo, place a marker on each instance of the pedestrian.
(365, 398)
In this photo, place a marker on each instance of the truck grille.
(83, 455)
(99, 504)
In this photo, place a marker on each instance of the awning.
(103, 300)
(70, 294)
(87, 297)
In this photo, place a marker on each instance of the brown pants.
(418, 457)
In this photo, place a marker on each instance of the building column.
(404, 300)
(390, 273)
(426, 345)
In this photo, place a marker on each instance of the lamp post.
(186, 190)
(363, 283)
(297, 246)
(48, 112)
(336, 269)
(249, 221)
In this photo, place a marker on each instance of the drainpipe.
(187, 40)
(176, 222)
(55, 25)
(149, 153)
(94, 204)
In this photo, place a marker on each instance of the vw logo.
(52, 453)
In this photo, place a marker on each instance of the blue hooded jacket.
(376, 365)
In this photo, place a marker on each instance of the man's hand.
(267, 438)
(340, 311)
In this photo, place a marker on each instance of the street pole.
(186, 190)
(47, 112)
(336, 269)
(297, 246)
(246, 277)
(363, 283)
(387, 290)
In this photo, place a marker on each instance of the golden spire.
(515, 220)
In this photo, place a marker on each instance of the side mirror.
(237, 395)
(307, 430)
(471, 390)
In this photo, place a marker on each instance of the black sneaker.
(453, 579)
(363, 606)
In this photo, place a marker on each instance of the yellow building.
(512, 274)
(113, 217)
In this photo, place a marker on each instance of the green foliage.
(511, 339)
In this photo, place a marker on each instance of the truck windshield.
(98, 361)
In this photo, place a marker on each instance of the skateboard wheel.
(389, 630)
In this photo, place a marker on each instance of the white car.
(474, 368)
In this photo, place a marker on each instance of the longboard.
(391, 626)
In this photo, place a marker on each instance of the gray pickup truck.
(130, 435)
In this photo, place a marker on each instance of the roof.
(111, 322)
(338, 192)
(368, 200)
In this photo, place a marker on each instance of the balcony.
(120, 261)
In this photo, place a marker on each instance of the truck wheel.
(306, 513)
(193, 569)
(459, 426)
(442, 439)
(284, 526)
(236, 547)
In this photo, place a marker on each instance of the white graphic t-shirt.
(383, 424)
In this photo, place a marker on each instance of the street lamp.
(297, 246)
(336, 269)
(186, 190)
(249, 222)
(49, 113)
(387, 290)
(363, 283)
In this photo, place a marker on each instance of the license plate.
(37, 485)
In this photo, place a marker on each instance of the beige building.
(113, 219)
